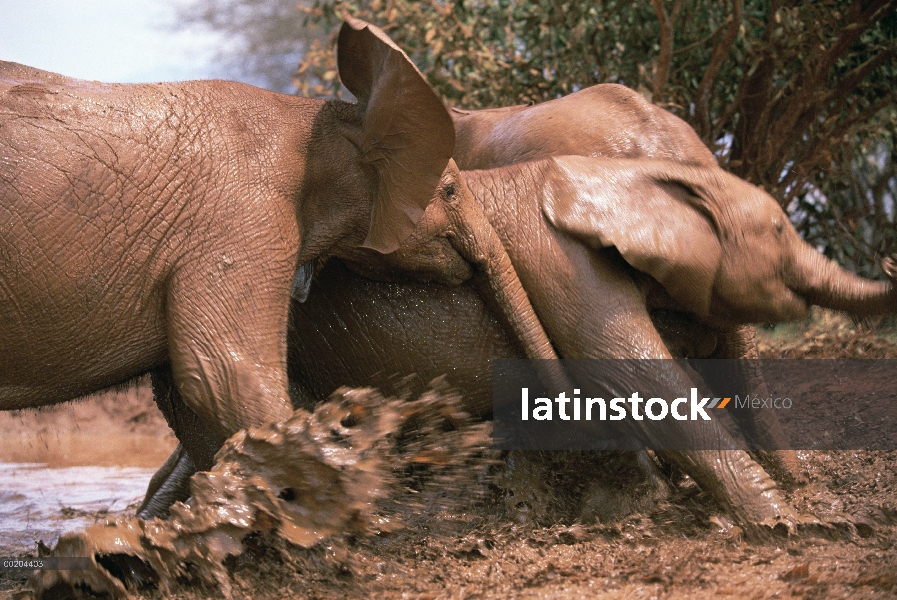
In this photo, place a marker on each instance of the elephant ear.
(407, 133)
(650, 211)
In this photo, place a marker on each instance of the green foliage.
(480, 54)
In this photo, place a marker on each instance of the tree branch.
(665, 55)
(854, 78)
(804, 106)
(752, 102)
(720, 52)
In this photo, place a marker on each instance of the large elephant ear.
(407, 135)
(651, 211)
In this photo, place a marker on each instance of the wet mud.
(387, 498)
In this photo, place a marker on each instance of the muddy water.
(41, 503)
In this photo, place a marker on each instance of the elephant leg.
(761, 428)
(738, 482)
(227, 328)
(607, 318)
(228, 368)
(197, 441)
(198, 445)
(170, 484)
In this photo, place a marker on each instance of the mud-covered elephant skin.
(578, 241)
(607, 120)
(142, 225)
(453, 243)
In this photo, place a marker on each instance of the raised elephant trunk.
(822, 282)
(479, 244)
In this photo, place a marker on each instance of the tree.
(797, 97)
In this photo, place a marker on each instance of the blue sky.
(106, 40)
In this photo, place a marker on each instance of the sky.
(125, 41)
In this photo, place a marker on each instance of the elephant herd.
(158, 228)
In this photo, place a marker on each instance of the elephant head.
(452, 238)
(719, 247)
(453, 242)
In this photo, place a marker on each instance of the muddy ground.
(551, 527)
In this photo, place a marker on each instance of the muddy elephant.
(597, 244)
(609, 120)
(614, 121)
(159, 227)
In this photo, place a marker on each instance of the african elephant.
(153, 225)
(608, 120)
(614, 121)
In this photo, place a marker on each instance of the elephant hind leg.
(197, 441)
(198, 445)
(170, 484)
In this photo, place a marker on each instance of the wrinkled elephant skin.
(142, 225)
(613, 121)
(607, 120)
(590, 299)
(583, 224)
(412, 328)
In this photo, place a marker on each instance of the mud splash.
(305, 480)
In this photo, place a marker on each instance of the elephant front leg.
(702, 449)
(742, 373)
(228, 371)
(227, 344)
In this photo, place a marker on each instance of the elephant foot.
(743, 488)
(769, 515)
(170, 484)
(810, 526)
(782, 465)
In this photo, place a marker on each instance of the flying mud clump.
(342, 469)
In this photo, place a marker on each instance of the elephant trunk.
(822, 282)
(501, 288)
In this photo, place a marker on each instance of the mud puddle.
(41, 503)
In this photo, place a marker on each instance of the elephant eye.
(450, 191)
(779, 227)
